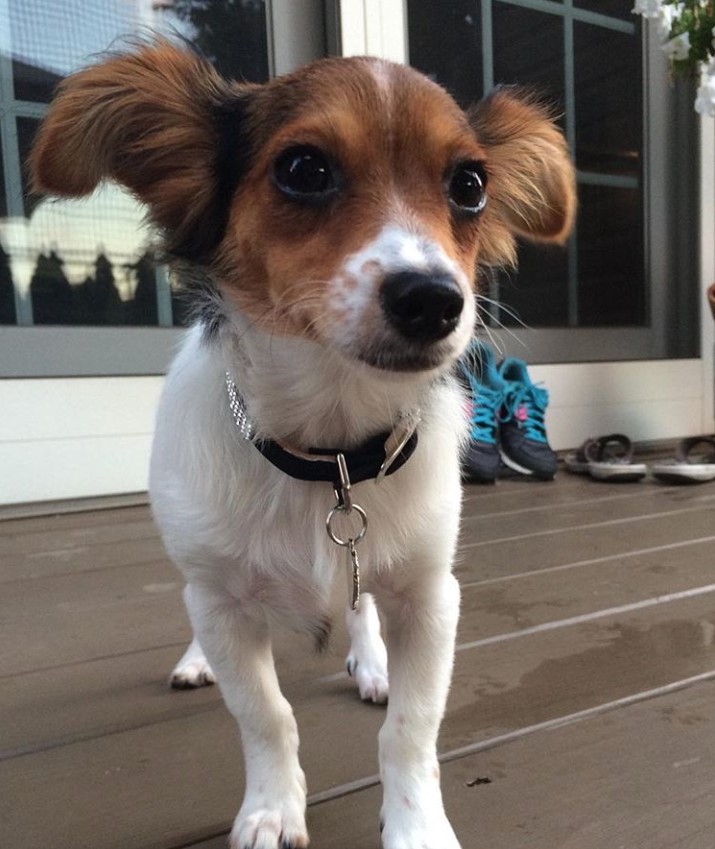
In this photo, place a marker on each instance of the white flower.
(678, 48)
(647, 8)
(666, 16)
(705, 100)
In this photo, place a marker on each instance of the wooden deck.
(582, 713)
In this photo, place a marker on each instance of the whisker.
(504, 308)
(501, 326)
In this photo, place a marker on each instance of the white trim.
(707, 268)
(647, 400)
(71, 438)
(295, 30)
(76, 437)
(374, 28)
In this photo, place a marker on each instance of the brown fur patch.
(531, 180)
(146, 120)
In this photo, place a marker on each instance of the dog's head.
(350, 202)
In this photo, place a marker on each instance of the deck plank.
(641, 777)
(496, 689)
(95, 751)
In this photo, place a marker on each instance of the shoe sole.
(512, 464)
(576, 467)
(684, 473)
(617, 473)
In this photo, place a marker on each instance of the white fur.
(399, 246)
(252, 545)
(192, 670)
(367, 658)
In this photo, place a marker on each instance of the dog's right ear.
(160, 122)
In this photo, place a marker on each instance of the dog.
(336, 218)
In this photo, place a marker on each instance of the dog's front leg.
(236, 640)
(421, 625)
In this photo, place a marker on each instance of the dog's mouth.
(395, 358)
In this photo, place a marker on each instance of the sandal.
(608, 458)
(694, 462)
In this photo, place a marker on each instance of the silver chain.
(238, 409)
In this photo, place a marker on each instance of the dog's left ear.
(159, 121)
(531, 178)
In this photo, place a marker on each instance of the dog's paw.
(192, 674)
(367, 661)
(268, 829)
(370, 675)
(277, 826)
(410, 830)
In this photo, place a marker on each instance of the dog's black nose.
(422, 307)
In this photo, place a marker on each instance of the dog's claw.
(190, 678)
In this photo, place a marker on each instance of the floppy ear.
(531, 178)
(162, 123)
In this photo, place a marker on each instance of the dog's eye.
(468, 187)
(304, 174)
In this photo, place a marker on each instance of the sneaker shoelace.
(483, 418)
(526, 404)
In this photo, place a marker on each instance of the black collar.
(377, 457)
(372, 459)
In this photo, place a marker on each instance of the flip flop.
(694, 462)
(607, 458)
(576, 461)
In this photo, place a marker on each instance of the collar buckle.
(395, 442)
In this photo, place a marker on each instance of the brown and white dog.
(338, 216)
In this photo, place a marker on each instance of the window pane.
(90, 261)
(231, 33)
(7, 293)
(446, 44)
(85, 261)
(529, 50)
(50, 39)
(609, 100)
(611, 287)
(538, 292)
(3, 189)
(33, 83)
(613, 8)
(26, 129)
(82, 271)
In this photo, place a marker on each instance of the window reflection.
(91, 261)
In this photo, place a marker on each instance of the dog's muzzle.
(421, 307)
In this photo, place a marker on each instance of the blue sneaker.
(522, 433)
(479, 375)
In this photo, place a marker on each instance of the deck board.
(641, 777)
(575, 595)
